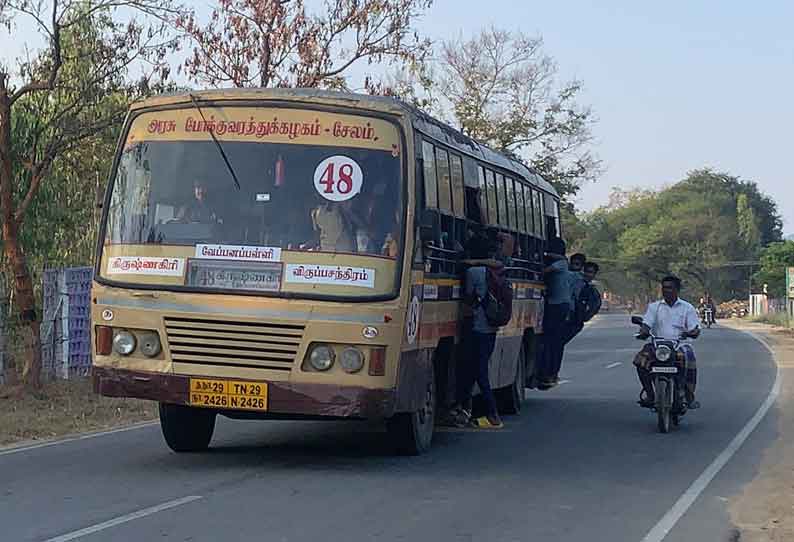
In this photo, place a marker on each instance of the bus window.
(493, 216)
(483, 193)
(511, 203)
(502, 201)
(522, 225)
(541, 214)
(429, 160)
(529, 213)
(537, 211)
(552, 213)
(444, 184)
(456, 167)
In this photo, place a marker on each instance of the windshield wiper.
(217, 143)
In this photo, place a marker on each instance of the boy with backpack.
(488, 299)
(587, 302)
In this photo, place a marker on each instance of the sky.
(676, 85)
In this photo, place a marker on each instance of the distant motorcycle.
(668, 371)
(708, 316)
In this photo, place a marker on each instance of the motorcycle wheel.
(662, 405)
(676, 420)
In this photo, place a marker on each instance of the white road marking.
(668, 521)
(26, 448)
(124, 519)
(599, 351)
(613, 365)
(564, 381)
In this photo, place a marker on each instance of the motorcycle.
(668, 373)
(707, 315)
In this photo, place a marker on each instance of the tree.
(71, 92)
(775, 258)
(278, 43)
(502, 88)
(694, 228)
(748, 224)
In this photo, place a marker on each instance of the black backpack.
(588, 304)
(499, 298)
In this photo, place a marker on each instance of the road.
(581, 463)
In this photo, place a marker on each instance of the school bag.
(498, 303)
(588, 304)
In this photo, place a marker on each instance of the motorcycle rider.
(710, 305)
(670, 318)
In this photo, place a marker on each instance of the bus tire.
(411, 433)
(186, 429)
(509, 399)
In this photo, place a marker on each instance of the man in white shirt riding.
(671, 318)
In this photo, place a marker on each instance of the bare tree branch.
(501, 88)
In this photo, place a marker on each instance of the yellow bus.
(294, 254)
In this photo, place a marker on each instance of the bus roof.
(421, 121)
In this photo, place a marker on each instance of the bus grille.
(233, 344)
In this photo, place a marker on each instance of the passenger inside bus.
(199, 209)
(333, 226)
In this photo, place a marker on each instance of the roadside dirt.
(63, 408)
(764, 511)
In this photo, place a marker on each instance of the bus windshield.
(305, 194)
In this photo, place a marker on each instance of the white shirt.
(670, 322)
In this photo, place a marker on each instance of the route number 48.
(338, 178)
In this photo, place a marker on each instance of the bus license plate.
(672, 370)
(231, 394)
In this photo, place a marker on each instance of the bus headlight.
(124, 342)
(321, 357)
(150, 344)
(352, 359)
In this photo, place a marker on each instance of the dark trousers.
(555, 319)
(572, 329)
(691, 377)
(477, 348)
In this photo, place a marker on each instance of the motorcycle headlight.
(351, 360)
(663, 353)
(322, 357)
(124, 342)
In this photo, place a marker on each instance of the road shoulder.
(65, 409)
(764, 510)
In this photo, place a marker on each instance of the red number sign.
(338, 178)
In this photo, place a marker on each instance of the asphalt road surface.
(581, 463)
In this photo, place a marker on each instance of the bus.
(296, 254)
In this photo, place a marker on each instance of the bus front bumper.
(285, 399)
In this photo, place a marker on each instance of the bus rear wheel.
(411, 433)
(186, 429)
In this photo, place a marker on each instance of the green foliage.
(694, 229)
(748, 224)
(775, 258)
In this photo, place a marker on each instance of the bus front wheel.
(186, 429)
(411, 433)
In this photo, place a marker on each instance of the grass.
(65, 407)
(777, 319)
